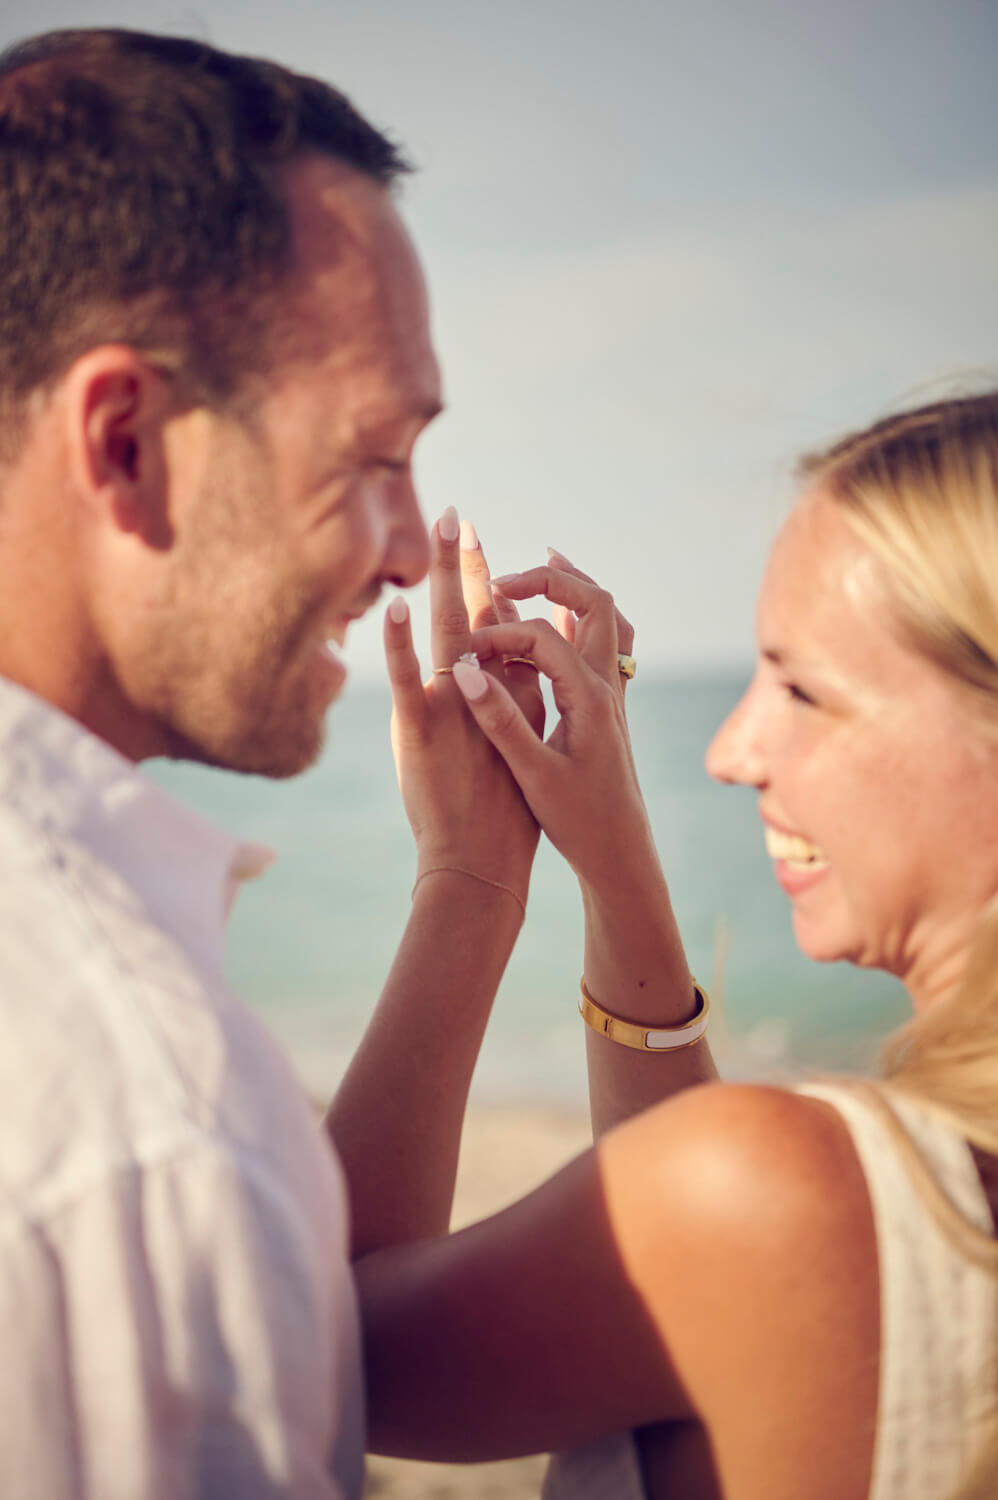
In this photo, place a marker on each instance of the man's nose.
(407, 555)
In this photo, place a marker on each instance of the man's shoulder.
(119, 1049)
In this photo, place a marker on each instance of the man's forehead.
(353, 263)
(357, 312)
(339, 217)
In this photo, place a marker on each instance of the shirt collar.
(185, 870)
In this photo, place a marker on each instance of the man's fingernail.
(502, 578)
(469, 537)
(449, 526)
(559, 557)
(398, 610)
(472, 681)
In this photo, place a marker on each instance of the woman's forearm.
(396, 1118)
(636, 969)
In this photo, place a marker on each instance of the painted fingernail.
(559, 557)
(472, 681)
(449, 526)
(469, 537)
(502, 578)
(398, 610)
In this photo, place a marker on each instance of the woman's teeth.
(792, 849)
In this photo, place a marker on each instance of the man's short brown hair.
(140, 202)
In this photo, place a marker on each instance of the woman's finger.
(503, 722)
(587, 601)
(559, 560)
(560, 567)
(522, 674)
(506, 611)
(625, 630)
(408, 698)
(564, 622)
(449, 628)
(485, 609)
(572, 678)
(475, 579)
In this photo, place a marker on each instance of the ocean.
(310, 943)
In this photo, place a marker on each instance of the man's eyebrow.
(379, 423)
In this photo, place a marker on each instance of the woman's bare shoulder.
(742, 1216)
(720, 1145)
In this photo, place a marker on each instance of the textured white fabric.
(176, 1312)
(939, 1326)
(938, 1312)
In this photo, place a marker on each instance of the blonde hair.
(921, 490)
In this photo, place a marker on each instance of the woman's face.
(878, 786)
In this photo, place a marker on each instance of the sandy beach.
(504, 1153)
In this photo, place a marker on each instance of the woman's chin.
(820, 941)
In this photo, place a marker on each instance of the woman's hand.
(583, 790)
(397, 1115)
(581, 784)
(465, 809)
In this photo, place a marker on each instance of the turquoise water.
(311, 942)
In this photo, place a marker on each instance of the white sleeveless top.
(938, 1315)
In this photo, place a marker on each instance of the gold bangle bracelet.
(646, 1038)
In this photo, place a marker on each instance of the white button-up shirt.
(177, 1318)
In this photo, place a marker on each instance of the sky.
(671, 244)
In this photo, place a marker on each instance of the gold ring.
(468, 657)
(626, 665)
(527, 661)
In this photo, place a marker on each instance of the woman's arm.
(396, 1118)
(713, 1259)
(583, 789)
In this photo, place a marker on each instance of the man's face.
(289, 523)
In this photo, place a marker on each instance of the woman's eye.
(797, 693)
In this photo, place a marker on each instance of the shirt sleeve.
(176, 1329)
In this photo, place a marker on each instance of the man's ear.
(116, 406)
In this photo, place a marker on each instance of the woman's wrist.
(467, 872)
(634, 961)
(463, 894)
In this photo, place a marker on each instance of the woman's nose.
(734, 755)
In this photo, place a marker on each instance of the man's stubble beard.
(229, 658)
